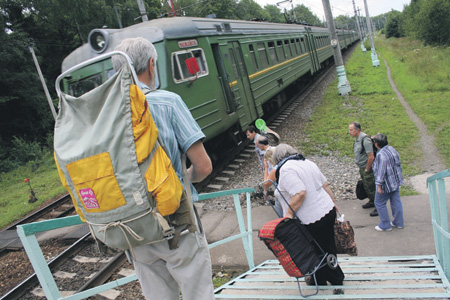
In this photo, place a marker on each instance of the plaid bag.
(344, 237)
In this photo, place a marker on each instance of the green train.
(229, 72)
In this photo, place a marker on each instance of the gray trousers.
(162, 272)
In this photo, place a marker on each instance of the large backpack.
(114, 166)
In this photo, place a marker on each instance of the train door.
(312, 49)
(238, 82)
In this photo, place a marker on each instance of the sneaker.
(377, 228)
(368, 205)
(395, 226)
(374, 213)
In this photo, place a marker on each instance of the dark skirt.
(323, 232)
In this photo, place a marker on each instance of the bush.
(20, 153)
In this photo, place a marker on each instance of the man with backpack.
(364, 157)
(163, 271)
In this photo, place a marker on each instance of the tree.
(434, 21)
(306, 16)
(393, 28)
(344, 22)
(274, 13)
(250, 10)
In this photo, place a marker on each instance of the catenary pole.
(343, 84)
(375, 61)
(359, 28)
(47, 94)
(142, 11)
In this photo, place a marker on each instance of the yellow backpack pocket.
(95, 183)
(163, 183)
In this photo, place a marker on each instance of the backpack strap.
(363, 149)
(182, 220)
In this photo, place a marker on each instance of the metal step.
(405, 277)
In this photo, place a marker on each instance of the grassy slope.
(372, 103)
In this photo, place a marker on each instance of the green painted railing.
(439, 218)
(27, 234)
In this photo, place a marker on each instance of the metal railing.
(27, 234)
(439, 218)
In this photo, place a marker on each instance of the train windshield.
(90, 77)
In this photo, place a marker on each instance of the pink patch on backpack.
(88, 198)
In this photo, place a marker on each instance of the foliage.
(344, 22)
(250, 10)
(305, 16)
(275, 15)
(427, 20)
(434, 21)
(393, 28)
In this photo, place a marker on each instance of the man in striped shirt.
(164, 272)
(388, 179)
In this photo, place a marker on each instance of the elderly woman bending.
(303, 185)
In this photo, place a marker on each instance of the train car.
(229, 72)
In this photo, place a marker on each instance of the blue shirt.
(387, 169)
(176, 126)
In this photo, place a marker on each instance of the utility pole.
(343, 84)
(117, 15)
(47, 94)
(375, 61)
(363, 32)
(142, 11)
(359, 28)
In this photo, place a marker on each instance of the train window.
(281, 51)
(298, 46)
(233, 63)
(180, 70)
(253, 55)
(273, 54)
(302, 43)
(288, 49)
(82, 86)
(263, 55)
(293, 48)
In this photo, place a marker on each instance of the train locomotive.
(228, 72)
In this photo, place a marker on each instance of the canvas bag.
(112, 163)
(344, 237)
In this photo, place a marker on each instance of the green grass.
(14, 192)
(372, 103)
(422, 75)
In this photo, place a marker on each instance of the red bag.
(292, 244)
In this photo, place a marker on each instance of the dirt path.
(431, 161)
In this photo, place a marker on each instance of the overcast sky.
(343, 7)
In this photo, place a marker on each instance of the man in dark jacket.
(364, 157)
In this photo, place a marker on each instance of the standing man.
(163, 272)
(388, 179)
(364, 157)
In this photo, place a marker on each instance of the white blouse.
(297, 176)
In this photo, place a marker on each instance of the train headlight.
(98, 39)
